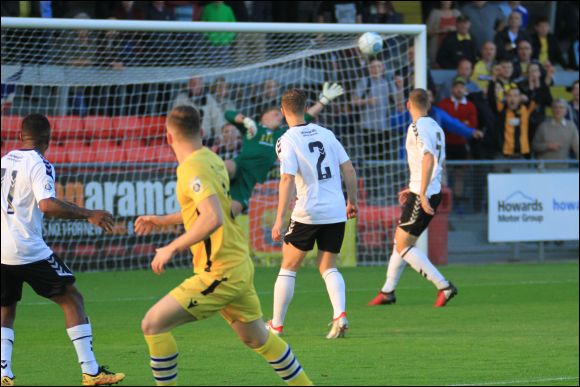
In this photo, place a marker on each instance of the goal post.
(418, 31)
(106, 86)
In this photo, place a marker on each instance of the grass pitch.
(511, 324)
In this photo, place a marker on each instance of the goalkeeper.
(258, 152)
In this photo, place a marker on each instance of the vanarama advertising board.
(533, 207)
(129, 191)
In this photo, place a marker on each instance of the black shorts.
(328, 237)
(48, 278)
(414, 219)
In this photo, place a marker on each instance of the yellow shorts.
(233, 296)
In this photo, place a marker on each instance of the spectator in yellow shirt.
(482, 72)
(545, 45)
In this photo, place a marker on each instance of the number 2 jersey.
(27, 178)
(425, 136)
(313, 155)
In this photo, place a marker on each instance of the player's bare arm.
(349, 176)
(147, 223)
(403, 194)
(56, 208)
(427, 171)
(286, 194)
(209, 220)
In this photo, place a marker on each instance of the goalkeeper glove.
(251, 127)
(330, 92)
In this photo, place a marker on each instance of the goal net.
(106, 87)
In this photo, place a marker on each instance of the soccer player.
(426, 156)
(311, 162)
(224, 273)
(27, 194)
(258, 155)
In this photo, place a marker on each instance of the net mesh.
(106, 94)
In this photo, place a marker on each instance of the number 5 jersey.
(425, 136)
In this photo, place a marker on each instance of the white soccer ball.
(370, 43)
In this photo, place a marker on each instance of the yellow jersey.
(200, 176)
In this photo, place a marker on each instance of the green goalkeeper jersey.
(258, 154)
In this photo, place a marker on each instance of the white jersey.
(313, 155)
(27, 178)
(425, 136)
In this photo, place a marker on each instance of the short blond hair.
(419, 98)
(185, 120)
(294, 101)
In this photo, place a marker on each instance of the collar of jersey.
(304, 124)
(195, 153)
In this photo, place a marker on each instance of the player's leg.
(395, 269)
(78, 328)
(284, 287)
(196, 298)
(329, 241)
(410, 212)
(334, 282)
(80, 332)
(231, 167)
(157, 324)
(244, 314)
(274, 350)
(164, 316)
(336, 289)
(11, 294)
(72, 304)
(406, 238)
(8, 316)
(52, 279)
(417, 259)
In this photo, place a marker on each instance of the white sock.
(7, 343)
(283, 293)
(336, 290)
(421, 263)
(394, 271)
(82, 339)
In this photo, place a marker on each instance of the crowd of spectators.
(505, 60)
(515, 58)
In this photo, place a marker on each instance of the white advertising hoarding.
(533, 207)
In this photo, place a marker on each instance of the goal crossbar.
(418, 30)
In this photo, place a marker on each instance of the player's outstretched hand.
(277, 231)
(351, 210)
(426, 205)
(330, 92)
(145, 224)
(102, 219)
(251, 127)
(403, 196)
(162, 257)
